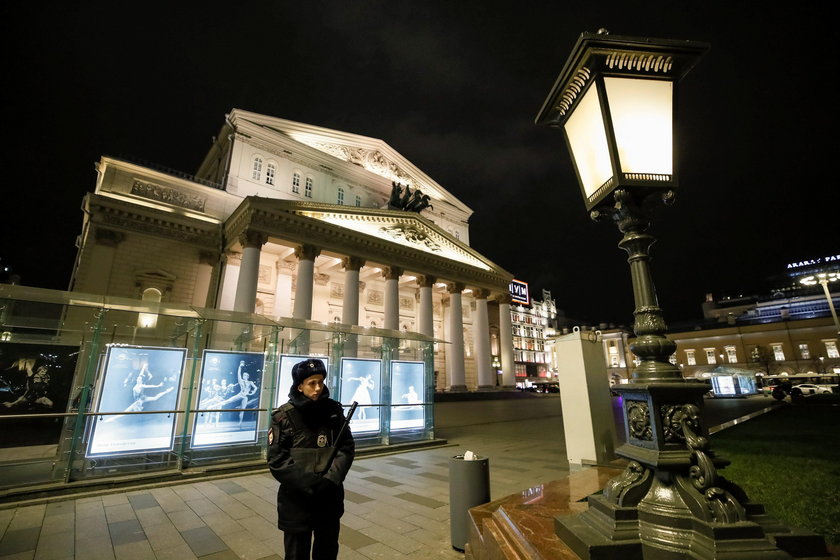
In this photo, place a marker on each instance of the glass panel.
(642, 114)
(588, 140)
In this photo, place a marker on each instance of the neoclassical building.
(290, 220)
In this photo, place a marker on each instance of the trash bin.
(469, 486)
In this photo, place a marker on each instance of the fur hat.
(305, 369)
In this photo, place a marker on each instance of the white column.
(246, 286)
(305, 276)
(425, 317)
(283, 290)
(392, 297)
(350, 307)
(506, 342)
(457, 375)
(481, 336)
(206, 261)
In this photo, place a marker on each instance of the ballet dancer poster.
(230, 383)
(407, 389)
(34, 379)
(136, 379)
(284, 375)
(361, 381)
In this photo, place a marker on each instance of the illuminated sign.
(230, 385)
(136, 394)
(519, 292)
(812, 262)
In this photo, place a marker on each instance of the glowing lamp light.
(614, 100)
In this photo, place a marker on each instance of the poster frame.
(206, 354)
(102, 379)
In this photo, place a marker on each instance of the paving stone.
(422, 500)
(142, 501)
(354, 539)
(203, 541)
(124, 532)
(19, 540)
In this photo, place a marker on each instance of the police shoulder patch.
(270, 436)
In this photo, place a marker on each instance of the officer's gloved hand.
(323, 485)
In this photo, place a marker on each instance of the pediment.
(412, 231)
(372, 154)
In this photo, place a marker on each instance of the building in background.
(286, 219)
(533, 326)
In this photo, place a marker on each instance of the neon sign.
(519, 292)
(812, 262)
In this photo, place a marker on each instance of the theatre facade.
(288, 220)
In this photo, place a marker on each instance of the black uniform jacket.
(302, 434)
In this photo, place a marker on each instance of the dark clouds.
(454, 87)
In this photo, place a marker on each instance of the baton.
(334, 451)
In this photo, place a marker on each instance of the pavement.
(397, 505)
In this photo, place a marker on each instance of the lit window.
(307, 188)
(731, 355)
(689, 358)
(804, 351)
(149, 320)
(831, 348)
(269, 173)
(340, 197)
(296, 183)
(778, 352)
(710, 356)
(256, 170)
(358, 200)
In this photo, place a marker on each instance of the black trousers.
(325, 547)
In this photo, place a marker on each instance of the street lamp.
(614, 101)
(823, 278)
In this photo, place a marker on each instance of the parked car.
(805, 389)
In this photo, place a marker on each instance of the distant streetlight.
(823, 278)
(614, 102)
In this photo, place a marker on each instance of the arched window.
(340, 197)
(307, 189)
(256, 169)
(149, 320)
(270, 170)
(296, 183)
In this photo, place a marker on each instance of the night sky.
(454, 87)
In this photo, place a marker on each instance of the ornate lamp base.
(670, 502)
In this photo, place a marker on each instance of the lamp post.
(614, 102)
(823, 278)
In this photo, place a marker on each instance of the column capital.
(455, 287)
(480, 293)
(353, 263)
(253, 239)
(504, 298)
(426, 281)
(392, 272)
(307, 252)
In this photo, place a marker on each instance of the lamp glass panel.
(642, 116)
(588, 140)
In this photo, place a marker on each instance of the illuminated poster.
(34, 379)
(284, 376)
(361, 381)
(136, 379)
(407, 389)
(230, 383)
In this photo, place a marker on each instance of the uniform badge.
(322, 440)
(271, 436)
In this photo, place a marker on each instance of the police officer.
(310, 500)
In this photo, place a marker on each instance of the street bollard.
(469, 486)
